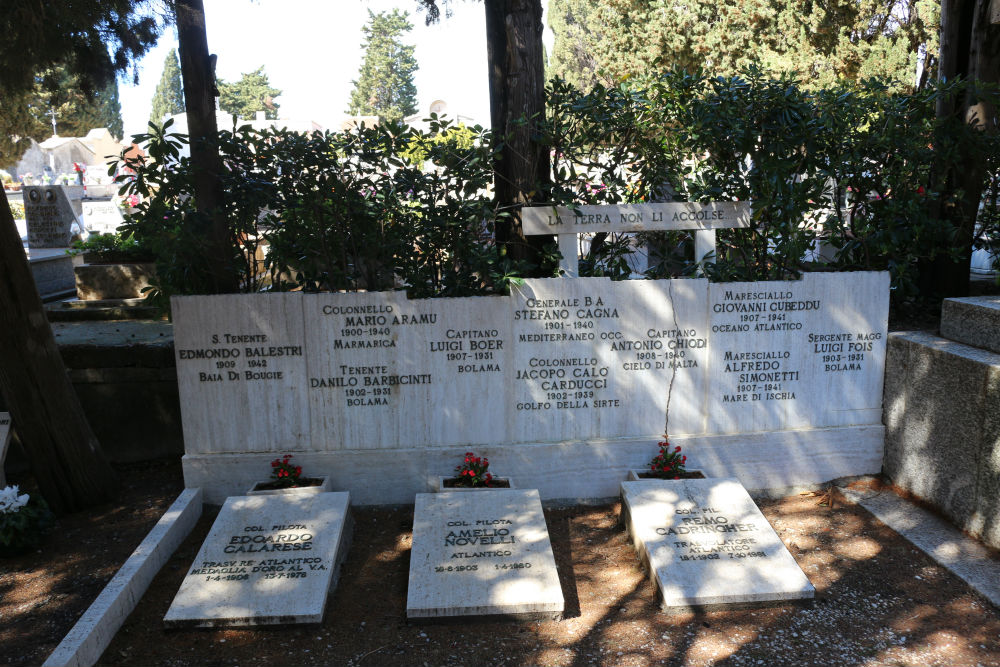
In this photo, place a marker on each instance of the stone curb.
(963, 556)
(85, 643)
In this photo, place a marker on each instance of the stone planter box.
(439, 485)
(636, 475)
(322, 487)
(113, 281)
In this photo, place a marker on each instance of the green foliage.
(826, 43)
(169, 97)
(252, 93)
(109, 111)
(458, 139)
(384, 86)
(93, 41)
(76, 113)
(24, 521)
(118, 248)
(847, 168)
(577, 29)
(328, 211)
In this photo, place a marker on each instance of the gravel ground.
(879, 601)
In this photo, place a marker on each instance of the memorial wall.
(558, 360)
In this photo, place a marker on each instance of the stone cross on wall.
(567, 222)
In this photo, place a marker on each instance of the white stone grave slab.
(481, 553)
(267, 560)
(706, 543)
(101, 216)
(4, 444)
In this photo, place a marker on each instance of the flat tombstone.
(707, 544)
(49, 217)
(267, 560)
(482, 553)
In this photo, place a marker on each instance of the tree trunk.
(970, 49)
(199, 98)
(517, 103)
(65, 457)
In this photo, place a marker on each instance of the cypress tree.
(384, 86)
(169, 97)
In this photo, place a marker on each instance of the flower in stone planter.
(472, 471)
(284, 474)
(669, 463)
(23, 521)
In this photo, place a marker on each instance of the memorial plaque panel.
(595, 358)
(634, 217)
(267, 560)
(797, 353)
(706, 543)
(101, 217)
(241, 366)
(385, 370)
(481, 553)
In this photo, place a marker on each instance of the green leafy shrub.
(329, 211)
(118, 248)
(846, 178)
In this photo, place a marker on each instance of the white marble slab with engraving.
(791, 354)
(241, 372)
(617, 218)
(384, 369)
(706, 543)
(481, 553)
(267, 560)
(598, 359)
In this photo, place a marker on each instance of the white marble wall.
(558, 360)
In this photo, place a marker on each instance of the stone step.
(973, 320)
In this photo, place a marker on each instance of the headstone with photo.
(482, 553)
(706, 543)
(268, 559)
(52, 214)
